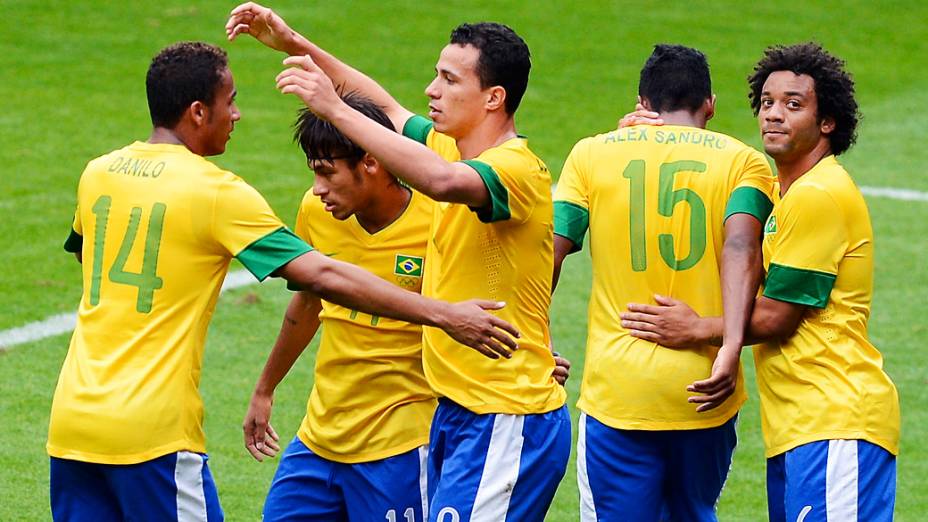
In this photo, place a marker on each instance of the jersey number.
(667, 199)
(147, 281)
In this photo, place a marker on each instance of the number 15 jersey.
(655, 200)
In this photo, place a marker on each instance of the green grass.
(73, 88)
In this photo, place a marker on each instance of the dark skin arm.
(562, 248)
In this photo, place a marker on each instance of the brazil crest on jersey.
(655, 200)
(156, 226)
(370, 399)
(503, 252)
(826, 381)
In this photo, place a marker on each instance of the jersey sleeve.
(75, 240)
(303, 219)
(246, 227)
(753, 188)
(512, 179)
(810, 241)
(420, 129)
(572, 198)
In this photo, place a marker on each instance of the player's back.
(657, 199)
(158, 226)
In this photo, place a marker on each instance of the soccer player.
(126, 433)
(829, 412)
(677, 211)
(500, 437)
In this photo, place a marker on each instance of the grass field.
(73, 88)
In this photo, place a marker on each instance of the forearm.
(347, 285)
(742, 267)
(562, 247)
(301, 321)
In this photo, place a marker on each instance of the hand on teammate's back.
(260, 437)
(561, 369)
(467, 323)
(672, 323)
(721, 384)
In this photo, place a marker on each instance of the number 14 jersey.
(655, 200)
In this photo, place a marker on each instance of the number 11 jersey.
(655, 200)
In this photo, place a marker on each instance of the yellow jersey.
(370, 399)
(826, 381)
(161, 226)
(655, 200)
(503, 252)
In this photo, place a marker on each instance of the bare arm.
(301, 321)
(414, 163)
(742, 267)
(353, 287)
(562, 247)
(269, 28)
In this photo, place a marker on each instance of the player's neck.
(684, 118)
(790, 170)
(493, 131)
(166, 136)
(385, 208)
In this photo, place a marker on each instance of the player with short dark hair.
(500, 437)
(126, 430)
(829, 412)
(675, 211)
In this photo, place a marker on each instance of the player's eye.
(793, 104)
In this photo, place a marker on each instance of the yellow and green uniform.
(826, 381)
(655, 200)
(156, 226)
(370, 399)
(502, 252)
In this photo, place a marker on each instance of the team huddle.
(427, 251)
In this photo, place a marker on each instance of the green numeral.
(635, 172)
(147, 281)
(667, 199)
(374, 318)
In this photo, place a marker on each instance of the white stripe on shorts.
(500, 471)
(841, 481)
(424, 480)
(587, 508)
(188, 477)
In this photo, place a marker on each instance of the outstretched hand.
(305, 80)
(468, 323)
(262, 23)
(672, 323)
(260, 437)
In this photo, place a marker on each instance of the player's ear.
(827, 125)
(198, 112)
(369, 163)
(646, 103)
(709, 107)
(496, 98)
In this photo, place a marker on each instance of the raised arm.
(355, 288)
(301, 321)
(414, 163)
(269, 28)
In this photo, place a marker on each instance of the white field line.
(63, 323)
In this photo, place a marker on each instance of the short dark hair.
(504, 58)
(320, 140)
(675, 77)
(834, 87)
(180, 75)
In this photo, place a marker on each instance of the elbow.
(778, 327)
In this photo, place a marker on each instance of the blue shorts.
(651, 475)
(827, 480)
(177, 486)
(308, 487)
(495, 467)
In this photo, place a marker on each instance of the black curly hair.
(180, 75)
(834, 87)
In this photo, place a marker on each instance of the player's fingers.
(710, 385)
(245, 7)
(560, 376)
(494, 345)
(643, 308)
(304, 61)
(506, 327)
(638, 316)
(503, 337)
(237, 30)
(709, 401)
(666, 301)
(647, 336)
(639, 325)
(272, 433)
(489, 305)
(561, 362)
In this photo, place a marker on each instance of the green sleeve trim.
(749, 200)
(799, 286)
(74, 243)
(571, 221)
(498, 209)
(271, 252)
(417, 128)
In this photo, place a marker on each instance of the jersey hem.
(832, 435)
(652, 425)
(134, 458)
(483, 408)
(341, 458)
